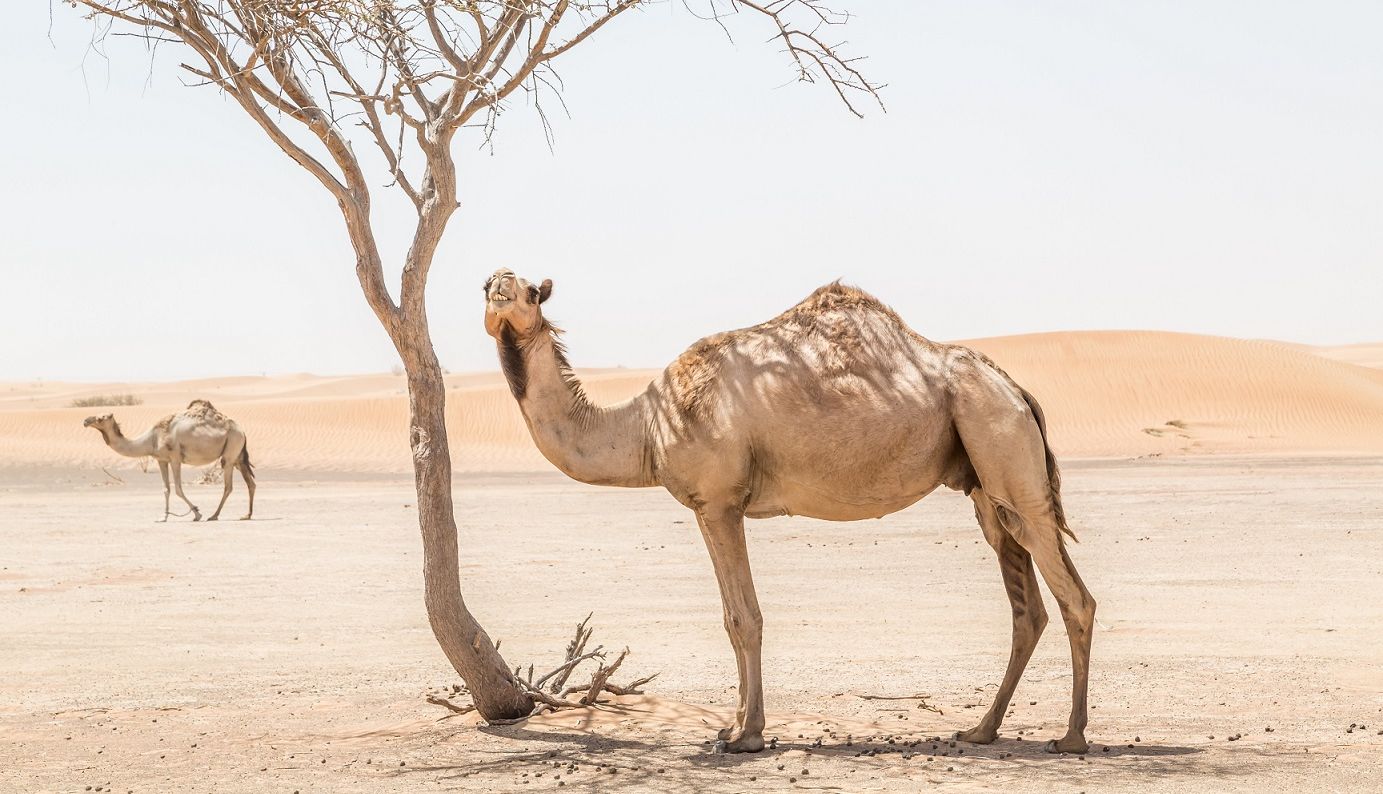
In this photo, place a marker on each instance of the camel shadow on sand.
(583, 759)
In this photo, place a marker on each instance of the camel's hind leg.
(1029, 616)
(1001, 430)
(228, 481)
(1077, 611)
(249, 477)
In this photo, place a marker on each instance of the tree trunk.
(464, 642)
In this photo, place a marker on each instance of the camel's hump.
(204, 411)
(832, 297)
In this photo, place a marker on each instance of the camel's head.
(513, 302)
(102, 423)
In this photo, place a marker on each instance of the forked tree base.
(551, 692)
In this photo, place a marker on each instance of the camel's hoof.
(213, 518)
(744, 744)
(245, 518)
(978, 735)
(197, 517)
(1067, 744)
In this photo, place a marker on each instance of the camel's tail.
(1053, 471)
(249, 469)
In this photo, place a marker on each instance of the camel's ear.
(545, 290)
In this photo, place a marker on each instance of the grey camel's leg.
(723, 531)
(228, 479)
(1043, 540)
(176, 463)
(1029, 616)
(163, 470)
(250, 486)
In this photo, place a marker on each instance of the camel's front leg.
(163, 470)
(723, 530)
(176, 463)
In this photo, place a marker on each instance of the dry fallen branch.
(574, 652)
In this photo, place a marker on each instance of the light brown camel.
(835, 409)
(197, 436)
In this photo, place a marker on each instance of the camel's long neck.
(590, 443)
(139, 447)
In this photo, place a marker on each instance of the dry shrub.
(100, 400)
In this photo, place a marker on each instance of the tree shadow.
(593, 759)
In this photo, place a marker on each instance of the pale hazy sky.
(1210, 167)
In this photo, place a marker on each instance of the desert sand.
(1226, 494)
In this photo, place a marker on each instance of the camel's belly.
(795, 500)
(199, 458)
(870, 487)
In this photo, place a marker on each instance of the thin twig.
(455, 709)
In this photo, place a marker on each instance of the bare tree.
(404, 77)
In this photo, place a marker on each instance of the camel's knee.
(1031, 616)
(1084, 610)
(745, 623)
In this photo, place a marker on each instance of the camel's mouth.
(503, 291)
(89, 421)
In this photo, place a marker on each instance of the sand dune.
(1106, 394)
(1366, 355)
(1130, 393)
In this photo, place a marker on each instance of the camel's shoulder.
(690, 380)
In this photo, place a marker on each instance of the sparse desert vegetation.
(105, 400)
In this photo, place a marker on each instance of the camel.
(836, 410)
(197, 436)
